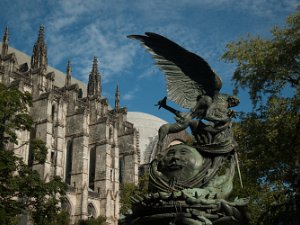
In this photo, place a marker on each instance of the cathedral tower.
(94, 84)
(83, 134)
(117, 99)
(8, 62)
(39, 58)
(68, 74)
(41, 80)
(5, 43)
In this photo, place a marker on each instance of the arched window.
(30, 153)
(69, 158)
(66, 206)
(53, 117)
(110, 133)
(92, 168)
(53, 113)
(91, 211)
(121, 169)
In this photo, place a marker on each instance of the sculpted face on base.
(181, 162)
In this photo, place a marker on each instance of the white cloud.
(149, 72)
(130, 95)
(61, 22)
(79, 30)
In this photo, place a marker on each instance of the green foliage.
(268, 65)
(9, 187)
(130, 189)
(98, 221)
(43, 198)
(13, 114)
(143, 184)
(21, 188)
(61, 218)
(38, 150)
(271, 138)
(268, 137)
(7, 218)
(127, 190)
(268, 146)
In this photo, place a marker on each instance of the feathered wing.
(187, 74)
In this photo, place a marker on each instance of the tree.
(14, 114)
(267, 66)
(269, 137)
(98, 221)
(21, 188)
(129, 189)
(267, 154)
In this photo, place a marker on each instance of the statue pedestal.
(180, 208)
(188, 188)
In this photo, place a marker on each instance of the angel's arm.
(200, 109)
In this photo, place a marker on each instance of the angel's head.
(233, 101)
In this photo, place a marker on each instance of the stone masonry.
(90, 144)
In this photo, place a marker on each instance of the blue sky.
(79, 30)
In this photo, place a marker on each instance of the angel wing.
(187, 74)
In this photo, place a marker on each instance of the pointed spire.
(39, 58)
(68, 75)
(117, 98)
(94, 85)
(5, 43)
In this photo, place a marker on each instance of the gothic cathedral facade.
(91, 145)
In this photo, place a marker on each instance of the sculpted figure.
(190, 183)
(175, 198)
(192, 84)
(183, 167)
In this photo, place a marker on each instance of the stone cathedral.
(91, 145)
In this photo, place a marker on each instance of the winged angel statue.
(191, 175)
(192, 84)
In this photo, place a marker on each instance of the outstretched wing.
(187, 74)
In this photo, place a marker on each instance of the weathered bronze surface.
(190, 183)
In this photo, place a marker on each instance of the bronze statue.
(191, 83)
(191, 183)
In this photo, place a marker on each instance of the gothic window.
(80, 93)
(92, 168)
(53, 113)
(53, 158)
(111, 174)
(122, 167)
(69, 157)
(110, 133)
(53, 117)
(66, 206)
(30, 153)
(91, 211)
(102, 109)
